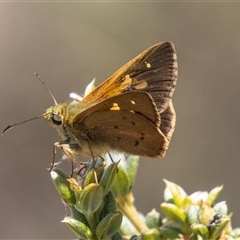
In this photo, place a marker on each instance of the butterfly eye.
(57, 119)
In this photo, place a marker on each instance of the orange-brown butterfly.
(131, 112)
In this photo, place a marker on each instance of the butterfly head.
(56, 115)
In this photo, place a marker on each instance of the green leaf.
(173, 212)
(192, 214)
(91, 198)
(221, 208)
(125, 177)
(186, 203)
(153, 219)
(79, 228)
(178, 192)
(121, 184)
(131, 167)
(59, 179)
(171, 232)
(201, 230)
(199, 196)
(117, 236)
(151, 234)
(108, 177)
(212, 196)
(109, 225)
(167, 195)
(78, 215)
(205, 213)
(61, 173)
(109, 205)
(90, 178)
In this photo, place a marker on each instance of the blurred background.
(69, 44)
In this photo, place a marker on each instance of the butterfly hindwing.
(168, 121)
(130, 133)
(139, 102)
(124, 123)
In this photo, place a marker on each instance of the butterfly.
(131, 112)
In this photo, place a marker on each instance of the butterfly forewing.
(153, 71)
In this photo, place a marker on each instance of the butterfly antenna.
(45, 85)
(15, 124)
(30, 119)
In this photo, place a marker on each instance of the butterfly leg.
(66, 148)
(110, 156)
(93, 158)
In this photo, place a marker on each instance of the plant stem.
(126, 206)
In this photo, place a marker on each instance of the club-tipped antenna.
(45, 85)
(15, 124)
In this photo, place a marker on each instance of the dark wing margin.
(155, 72)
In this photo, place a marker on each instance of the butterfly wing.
(139, 102)
(124, 131)
(168, 121)
(127, 123)
(153, 71)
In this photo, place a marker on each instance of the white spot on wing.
(141, 85)
(148, 65)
